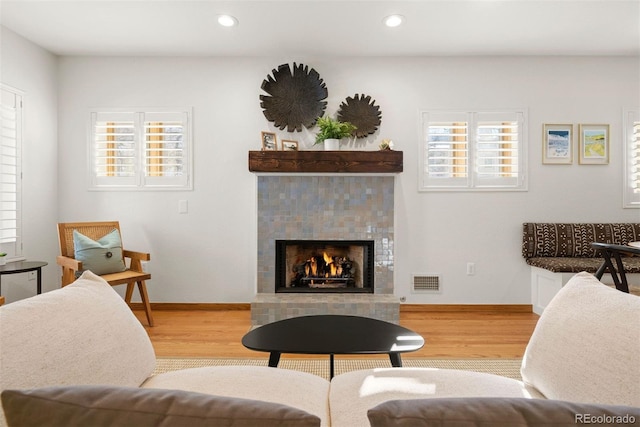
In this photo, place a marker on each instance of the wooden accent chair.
(95, 230)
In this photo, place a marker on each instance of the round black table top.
(21, 266)
(631, 248)
(332, 334)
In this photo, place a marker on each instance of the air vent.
(426, 283)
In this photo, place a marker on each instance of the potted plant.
(3, 258)
(332, 131)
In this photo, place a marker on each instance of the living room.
(569, 65)
(209, 254)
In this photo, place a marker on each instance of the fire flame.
(327, 258)
(333, 268)
(314, 267)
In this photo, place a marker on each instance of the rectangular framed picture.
(594, 144)
(289, 145)
(269, 141)
(557, 144)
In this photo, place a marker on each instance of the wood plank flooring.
(448, 334)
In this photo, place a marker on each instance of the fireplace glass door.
(324, 266)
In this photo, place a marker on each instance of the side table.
(23, 267)
(610, 253)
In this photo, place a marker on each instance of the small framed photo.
(594, 144)
(289, 145)
(557, 144)
(269, 141)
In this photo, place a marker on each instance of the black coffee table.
(333, 334)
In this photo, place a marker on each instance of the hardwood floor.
(448, 334)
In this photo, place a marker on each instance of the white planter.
(3, 260)
(331, 144)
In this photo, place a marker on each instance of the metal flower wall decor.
(361, 111)
(295, 97)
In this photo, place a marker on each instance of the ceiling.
(328, 27)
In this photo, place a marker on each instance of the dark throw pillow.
(495, 411)
(98, 406)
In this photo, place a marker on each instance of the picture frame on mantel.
(557, 144)
(269, 141)
(289, 145)
(594, 144)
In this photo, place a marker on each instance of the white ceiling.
(328, 27)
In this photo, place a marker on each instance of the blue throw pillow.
(101, 257)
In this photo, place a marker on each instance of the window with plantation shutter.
(10, 171)
(473, 151)
(631, 194)
(141, 150)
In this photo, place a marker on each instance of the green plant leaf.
(330, 128)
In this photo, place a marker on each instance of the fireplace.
(344, 207)
(336, 266)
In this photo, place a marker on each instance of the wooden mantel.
(325, 161)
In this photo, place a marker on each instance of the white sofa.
(82, 346)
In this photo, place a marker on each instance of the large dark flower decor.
(295, 97)
(361, 111)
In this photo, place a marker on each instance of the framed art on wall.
(594, 144)
(269, 141)
(557, 144)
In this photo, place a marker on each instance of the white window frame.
(139, 180)
(631, 158)
(473, 181)
(12, 135)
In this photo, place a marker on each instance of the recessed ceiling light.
(393, 20)
(227, 20)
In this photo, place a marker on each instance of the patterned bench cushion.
(573, 240)
(577, 264)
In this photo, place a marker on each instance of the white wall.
(209, 254)
(33, 70)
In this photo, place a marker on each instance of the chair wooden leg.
(129, 293)
(142, 288)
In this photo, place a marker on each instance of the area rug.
(505, 367)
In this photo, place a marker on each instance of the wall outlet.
(183, 206)
(31, 275)
(471, 268)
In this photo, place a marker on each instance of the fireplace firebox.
(325, 266)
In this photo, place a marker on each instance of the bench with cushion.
(556, 251)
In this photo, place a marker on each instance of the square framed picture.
(594, 144)
(557, 144)
(289, 145)
(269, 141)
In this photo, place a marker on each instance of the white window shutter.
(631, 191)
(473, 151)
(166, 152)
(446, 150)
(142, 149)
(497, 149)
(115, 145)
(10, 171)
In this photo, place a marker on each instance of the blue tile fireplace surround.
(325, 207)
